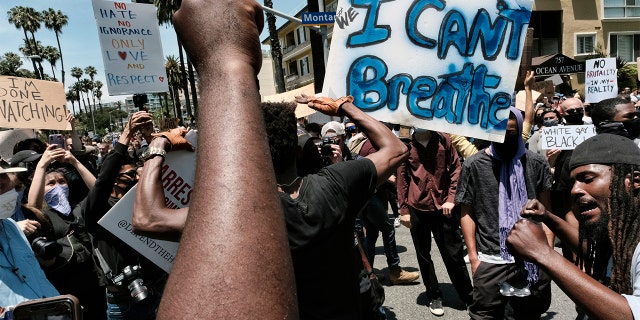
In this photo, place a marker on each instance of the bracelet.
(152, 152)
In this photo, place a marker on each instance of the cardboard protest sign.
(178, 173)
(31, 103)
(565, 137)
(446, 66)
(131, 48)
(601, 79)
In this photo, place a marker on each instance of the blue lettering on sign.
(458, 91)
(371, 32)
(415, 11)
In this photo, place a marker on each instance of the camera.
(44, 249)
(325, 148)
(130, 277)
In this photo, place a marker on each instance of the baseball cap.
(22, 157)
(336, 126)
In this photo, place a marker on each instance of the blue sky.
(79, 39)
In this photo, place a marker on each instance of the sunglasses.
(574, 111)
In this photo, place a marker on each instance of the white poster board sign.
(600, 79)
(131, 48)
(446, 66)
(177, 180)
(565, 137)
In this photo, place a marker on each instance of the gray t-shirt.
(634, 300)
(478, 187)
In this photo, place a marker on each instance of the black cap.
(605, 148)
(24, 156)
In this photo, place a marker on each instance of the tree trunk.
(167, 114)
(61, 59)
(276, 50)
(37, 50)
(183, 82)
(35, 68)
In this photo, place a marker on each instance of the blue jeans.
(376, 220)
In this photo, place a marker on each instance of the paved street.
(409, 301)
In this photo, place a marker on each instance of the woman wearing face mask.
(550, 118)
(71, 268)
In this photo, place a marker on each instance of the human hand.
(529, 79)
(552, 156)
(405, 220)
(28, 226)
(52, 153)
(528, 241)
(336, 154)
(138, 122)
(447, 207)
(220, 32)
(474, 263)
(176, 138)
(535, 210)
(71, 119)
(325, 105)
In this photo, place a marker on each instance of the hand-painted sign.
(601, 79)
(131, 48)
(318, 18)
(447, 66)
(33, 104)
(565, 137)
(177, 181)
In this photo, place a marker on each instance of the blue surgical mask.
(58, 199)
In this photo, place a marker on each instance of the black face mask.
(633, 128)
(575, 116)
(113, 200)
(508, 149)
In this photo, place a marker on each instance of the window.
(293, 68)
(546, 38)
(304, 66)
(625, 46)
(302, 35)
(621, 9)
(585, 43)
(290, 39)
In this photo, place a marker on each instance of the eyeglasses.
(574, 111)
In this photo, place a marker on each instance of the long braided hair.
(622, 237)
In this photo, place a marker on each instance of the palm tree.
(91, 72)
(276, 50)
(35, 52)
(97, 92)
(87, 87)
(72, 96)
(166, 9)
(51, 54)
(174, 78)
(77, 72)
(55, 20)
(19, 17)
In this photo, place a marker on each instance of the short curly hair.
(280, 123)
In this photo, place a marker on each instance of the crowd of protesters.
(307, 225)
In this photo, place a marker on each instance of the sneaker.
(397, 275)
(396, 222)
(435, 306)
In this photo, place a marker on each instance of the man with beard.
(493, 185)
(606, 174)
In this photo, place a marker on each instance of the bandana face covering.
(58, 199)
(8, 203)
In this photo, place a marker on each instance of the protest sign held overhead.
(32, 104)
(178, 171)
(600, 79)
(565, 137)
(131, 48)
(446, 66)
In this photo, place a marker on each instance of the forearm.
(563, 230)
(151, 217)
(468, 226)
(462, 145)
(36, 190)
(391, 150)
(88, 177)
(251, 216)
(583, 289)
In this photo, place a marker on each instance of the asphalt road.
(410, 302)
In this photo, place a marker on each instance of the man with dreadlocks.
(606, 174)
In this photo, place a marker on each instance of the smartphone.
(57, 139)
(64, 307)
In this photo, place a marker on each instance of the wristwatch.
(152, 152)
